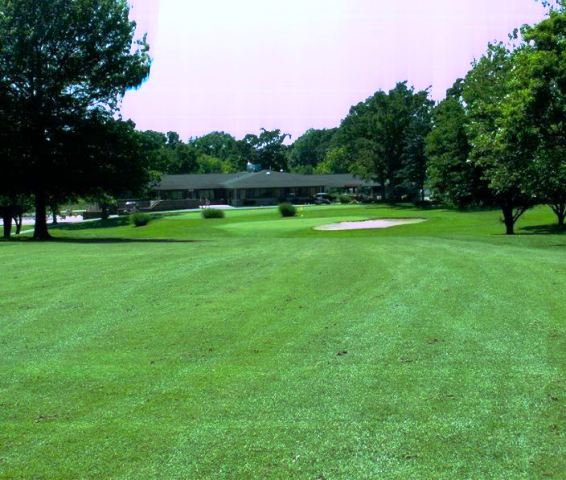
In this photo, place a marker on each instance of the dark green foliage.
(268, 149)
(384, 137)
(536, 108)
(453, 178)
(65, 65)
(344, 199)
(140, 219)
(310, 150)
(500, 149)
(336, 160)
(287, 209)
(224, 148)
(212, 213)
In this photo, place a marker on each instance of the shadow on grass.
(109, 240)
(544, 230)
(110, 223)
(432, 207)
(96, 240)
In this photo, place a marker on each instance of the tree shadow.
(392, 206)
(553, 229)
(433, 206)
(110, 223)
(97, 240)
(117, 240)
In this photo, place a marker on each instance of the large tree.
(451, 175)
(536, 108)
(310, 149)
(501, 149)
(385, 138)
(12, 173)
(268, 148)
(222, 146)
(336, 160)
(413, 173)
(64, 63)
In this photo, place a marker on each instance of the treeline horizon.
(497, 139)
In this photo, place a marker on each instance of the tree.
(173, 139)
(499, 148)
(269, 148)
(160, 153)
(385, 138)
(336, 160)
(536, 106)
(210, 164)
(12, 187)
(413, 173)
(184, 160)
(452, 176)
(113, 163)
(310, 149)
(358, 135)
(64, 64)
(222, 146)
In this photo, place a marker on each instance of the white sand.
(370, 224)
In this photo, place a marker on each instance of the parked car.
(130, 207)
(322, 199)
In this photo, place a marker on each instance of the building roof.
(345, 180)
(195, 181)
(269, 179)
(262, 179)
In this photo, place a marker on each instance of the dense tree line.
(382, 138)
(215, 152)
(497, 139)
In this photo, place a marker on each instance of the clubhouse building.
(259, 188)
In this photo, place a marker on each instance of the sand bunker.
(370, 224)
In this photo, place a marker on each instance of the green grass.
(257, 347)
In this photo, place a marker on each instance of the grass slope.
(255, 347)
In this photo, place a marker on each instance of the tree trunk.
(560, 211)
(18, 220)
(40, 231)
(54, 216)
(104, 211)
(509, 220)
(7, 219)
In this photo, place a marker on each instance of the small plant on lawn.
(212, 213)
(287, 209)
(140, 219)
(344, 199)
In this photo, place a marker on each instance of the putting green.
(283, 225)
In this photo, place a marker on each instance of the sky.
(238, 66)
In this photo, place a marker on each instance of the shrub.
(423, 203)
(212, 213)
(287, 209)
(140, 219)
(345, 199)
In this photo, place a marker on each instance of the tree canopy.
(384, 137)
(310, 150)
(451, 175)
(65, 64)
(498, 138)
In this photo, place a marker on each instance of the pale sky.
(237, 66)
